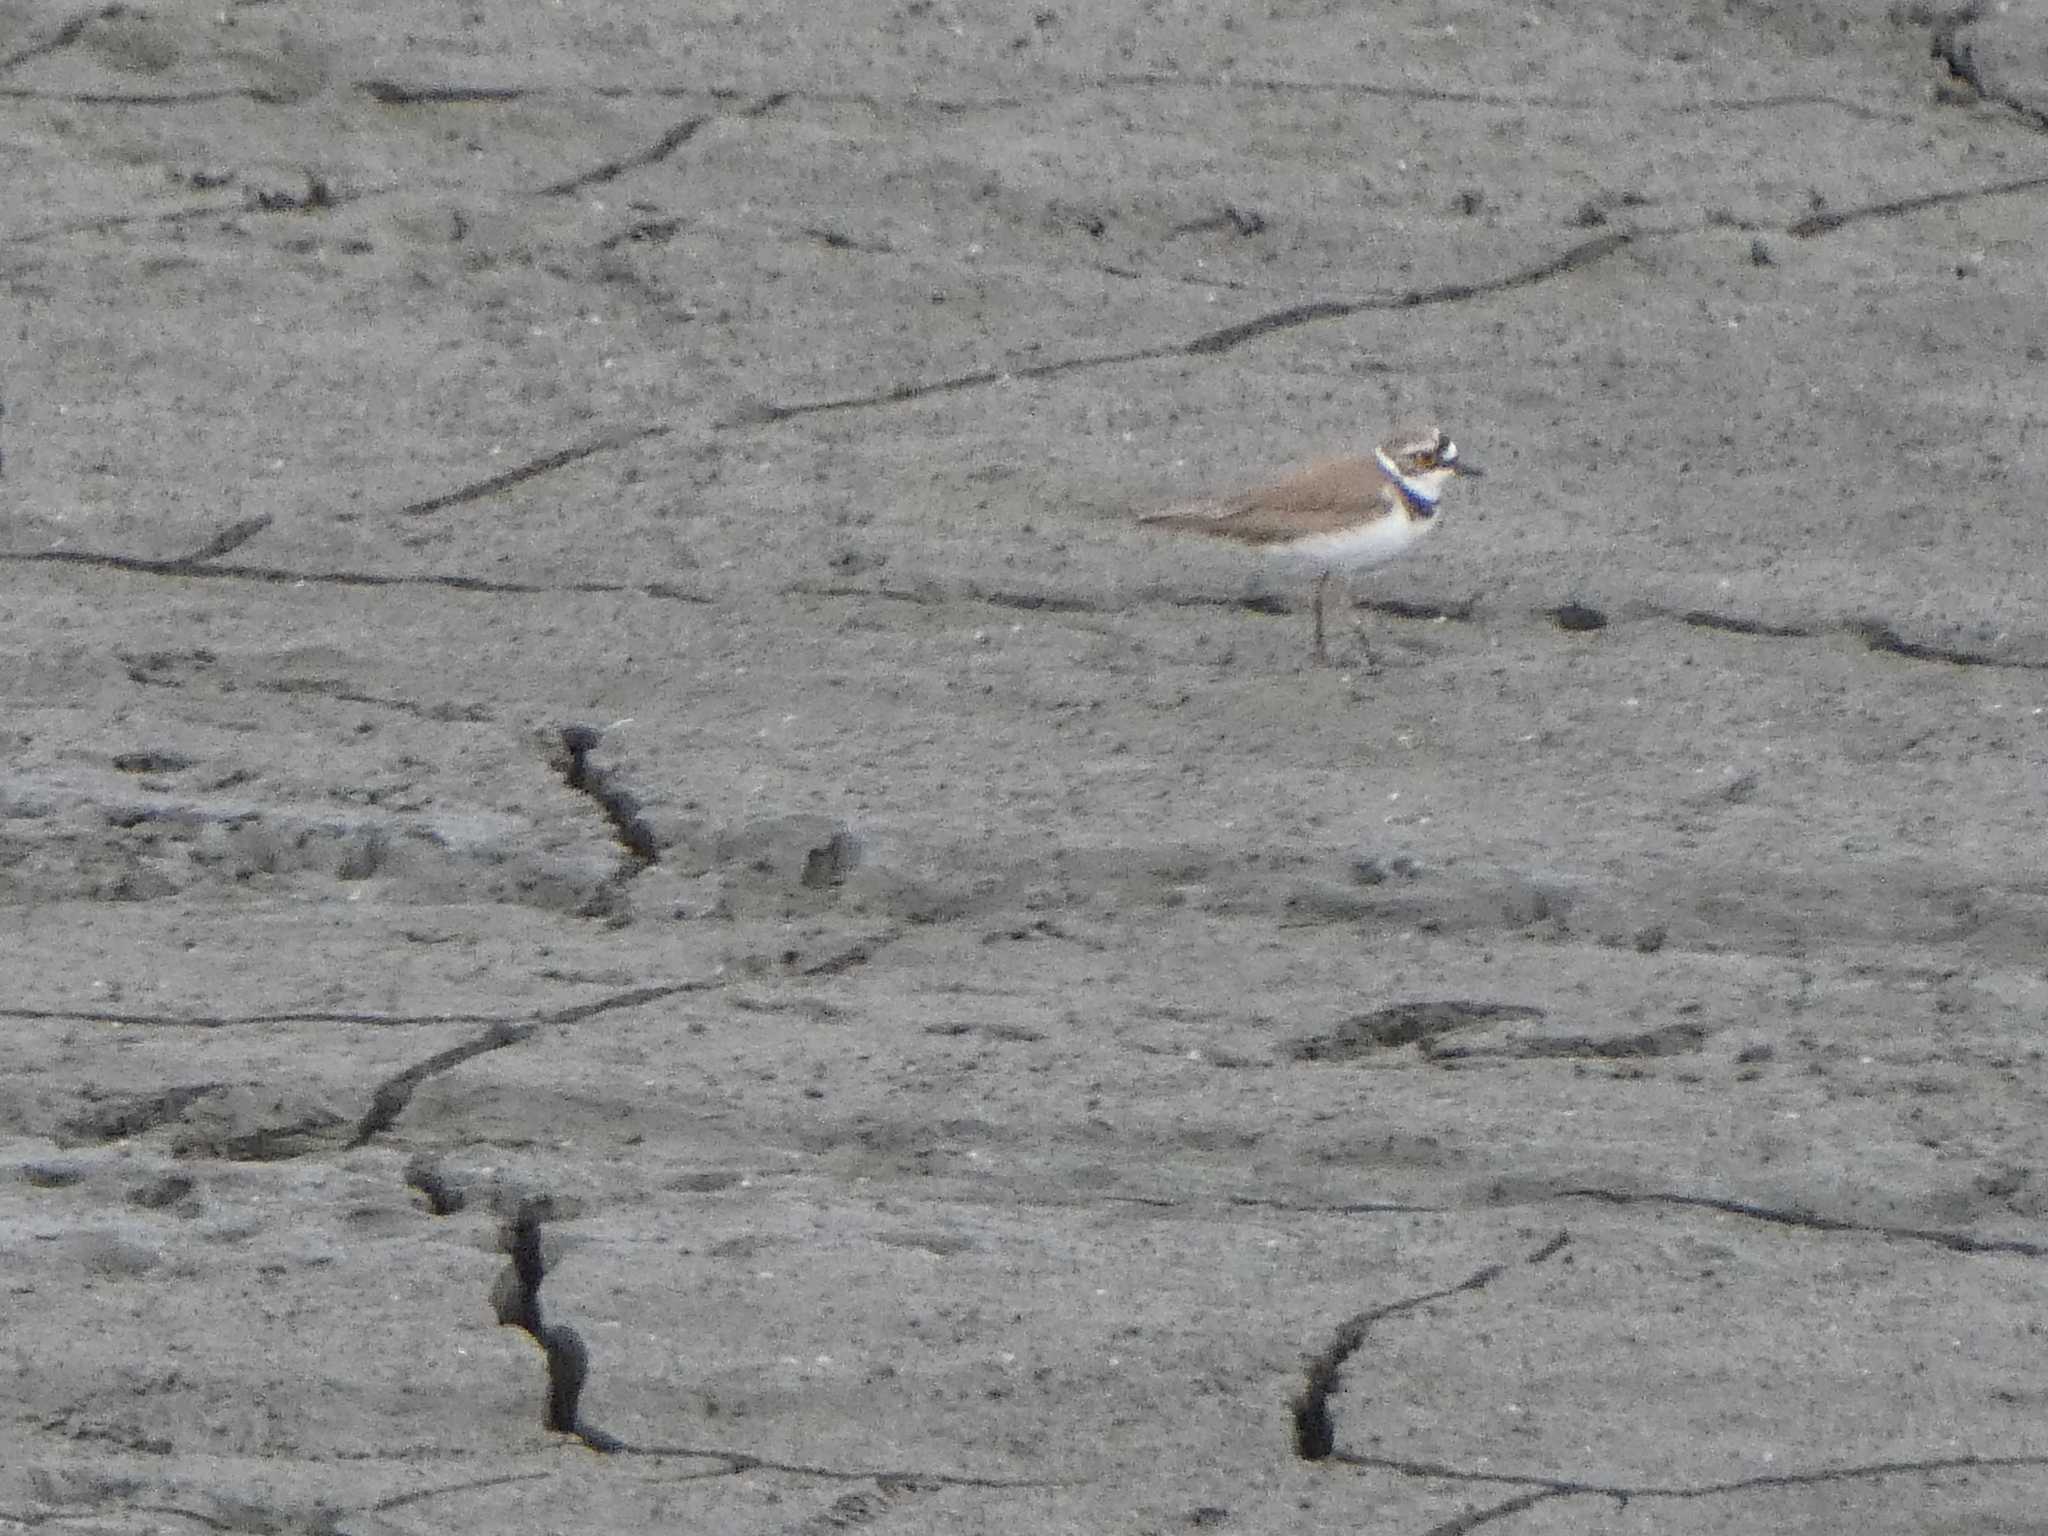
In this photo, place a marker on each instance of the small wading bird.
(1337, 516)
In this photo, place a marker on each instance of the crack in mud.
(620, 805)
(490, 485)
(423, 1173)
(1315, 1434)
(442, 93)
(393, 93)
(390, 1098)
(1832, 219)
(1548, 1486)
(227, 541)
(854, 955)
(284, 576)
(1532, 103)
(328, 199)
(1952, 1241)
(1948, 47)
(233, 1021)
(516, 1298)
(1473, 1520)
(1207, 344)
(1572, 617)
(864, 1506)
(1876, 634)
(63, 37)
(442, 1490)
(1880, 636)
(1569, 260)
(148, 98)
(611, 170)
(204, 563)
(335, 688)
(671, 141)
(1732, 624)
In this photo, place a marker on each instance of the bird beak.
(1467, 469)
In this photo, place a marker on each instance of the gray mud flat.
(632, 903)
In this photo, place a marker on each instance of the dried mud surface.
(631, 903)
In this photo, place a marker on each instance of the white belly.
(1371, 544)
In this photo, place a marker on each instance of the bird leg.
(1321, 586)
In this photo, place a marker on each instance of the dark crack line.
(284, 576)
(1948, 47)
(392, 1095)
(492, 484)
(515, 1298)
(1953, 1242)
(211, 1522)
(1568, 1487)
(1209, 343)
(330, 199)
(335, 688)
(1315, 1435)
(742, 1461)
(442, 1490)
(1275, 604)
(671, 141)
(1034, 602)
(853, 956)
(145, 98)
(235, 1021)
(390, 1098)
(611, 170)
(393, 93)
(1833, 219)
(1463, 1525)
(1876, 634)
(1581, 255)
(566, 1014)
(63, 37)
(639, 845)
(901, 394)
(1345, 1208)
(927, 597)
(1880, 636)
(1316, 311)
(1730, 624)
(228, 540)
(1269, 85)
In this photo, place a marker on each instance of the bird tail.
(1186, 516)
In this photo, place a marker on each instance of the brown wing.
(1324, 498)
